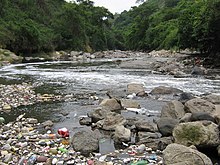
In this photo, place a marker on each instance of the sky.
(115, 6)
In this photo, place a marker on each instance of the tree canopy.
(28, 26)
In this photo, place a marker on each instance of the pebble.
(22, 144)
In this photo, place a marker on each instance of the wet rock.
(85, 142)
(111, 104)
(199, 133)
(166, 126)
(184, 97)
(199, 105)
(173, 109)
(199, 70)
(162, 90)
(85, 121)
(179, 154)
(111, 121)
(122, 134)
(202, 116)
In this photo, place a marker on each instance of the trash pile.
(27, 142)
(12, 96)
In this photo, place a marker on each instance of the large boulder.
(173, 109)
(199, 105)
(98, 114)
(213, 98)
(176, 154)
(128, 103)
(162, 90)
(143, 125)
(184, 97)
(197, 116)
(135, 88)
(166, 125)
(85, 142)
(111, 121)
(199, 133)
(122, 134)
(111, 104)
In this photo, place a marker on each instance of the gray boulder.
(166, 125)
(199, 70)
(111, 121)
(143, 125)
(162, 90)
(186, 118)
(199, 133)
(177, 154)
(173, 109)
(197, 116)
(85, 142)
(98, 114)
(128, 103)
(184, 97)
(111, 104)
(199, 105)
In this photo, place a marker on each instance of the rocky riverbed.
(177, 131)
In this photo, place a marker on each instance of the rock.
(7, 107)
(47, 123)
(85, 121)
(143, 125)
(85, 142)
(166, 126)
(199, 133)
(213, 98)
(157, 144)
(128, 103)
(111, 104)
(2, 120)
(162, 90)
(173, 109)
(176, 154)
(184, 97)
(202, 116)
(32, 121)
(122, 134)
(111, 121)
(98, 114)
(186, 118)
(218, 149)
(199, 105)
(148, 135)
(199, 70)
(216, 114)
(135, 88)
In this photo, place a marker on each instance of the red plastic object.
(63, 132)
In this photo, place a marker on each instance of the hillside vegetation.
(28, 26)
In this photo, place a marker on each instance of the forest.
(28, 26)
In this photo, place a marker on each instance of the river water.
(86, 79)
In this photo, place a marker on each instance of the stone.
(32, 121)
(135, 88)
(199, 70)
(85, 142)
(98, 114)
(2, 120)
(157, 144)
(177, 154)
(111, 121)
(148, 135)
(47, 123)
(213, 98)
(184, 97)
(166, 126)
(111, 104)
(216, 114)
(196, 116)
(186, 118)
(41, 159)
(85, 121)
(173, 109)
(128, 103)
(199, 105)
(7, 107)
(162, 90)
(122, 134)
(143, 125)
(198, 133)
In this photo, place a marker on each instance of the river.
(85, 79)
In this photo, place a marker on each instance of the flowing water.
(93, 78)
